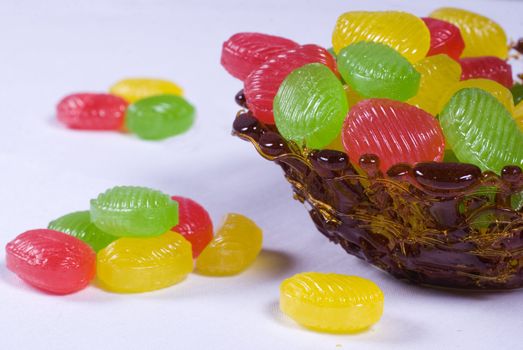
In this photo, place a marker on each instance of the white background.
(52, 48)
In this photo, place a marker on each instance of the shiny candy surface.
(134, 89)
(329, 302)
(445, 38)
(517, 93)
(488, 68)
(51, 261)
(134, 265)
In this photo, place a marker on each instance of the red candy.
(244, 52)
(262, 84)
(194, 224)
(445, 38)
(51, 261)
(90, 111)
(394, 131)
(487, 67)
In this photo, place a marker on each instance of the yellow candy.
(482, 36)
(135, 89)
(330, 302)
(402, 31)
(438, 74)
(518, 115)
(134, 265)
(234, 247)
(352, 96)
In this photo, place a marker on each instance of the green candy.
(481, 131)
(310, 106)
(378, 71)
(127, 211)
(79, 225)
(517, 93)
(159, 117)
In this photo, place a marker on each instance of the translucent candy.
(159, 117)
(487, 67)
(90, 111)
(376, 70)
(134, 211)
(244, 52)
(482, 36)
(394, 131)
(135, 265)
(402, 31)
(329, 302)
(194, 224)
(517, 93)
(79, 225)
(352, 96)
(261, 86)
(135, 89)
(518, 115)
(51, 261)
(481, 131)
(310, 106)
(234, 247)
(445, 38)
(438, 74)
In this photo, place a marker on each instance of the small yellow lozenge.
(134, 265)
(134, 89)
(329, 302)
(234, 247)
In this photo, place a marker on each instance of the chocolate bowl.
(438, 224)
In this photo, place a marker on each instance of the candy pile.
(133, 239)
(152, 109)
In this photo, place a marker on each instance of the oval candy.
(491, 68)
(134, 89)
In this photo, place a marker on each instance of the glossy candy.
(261, 86)
(79, 225)
(310, 106)
(487, 67)
(92, 111)
(376, 70)
(134, 211)
(329, 302)
(482, 36)
(244, 52)
(134, 89)
(234, 247)
(517, 93)
(402, 31)
(135, 265)
(445, 38)
(194, 224)
(159, 117)
(51, 261)
(518, 115)
(481, 131)
(394, 131)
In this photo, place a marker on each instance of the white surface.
(52, 48)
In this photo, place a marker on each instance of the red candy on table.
(394, 131)
(487, 67)
(51, 261)
(92, 111)
(244, 52)
(263, 83)
(194, 224)
(445, 38)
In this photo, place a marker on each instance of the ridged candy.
(402, 31)
(445, 38)
(134, 211)
(329, 302)
(310, 106)
(134, 89)
(481, 131)
(518, 115)
(488, 68)
(51, 261)
(135, 265)
(375, 70)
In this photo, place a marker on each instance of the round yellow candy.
(135, 89)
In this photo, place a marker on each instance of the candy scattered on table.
(134, 89)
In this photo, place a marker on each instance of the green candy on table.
(79, 225)
(159, 117)
(378, 71)
(310, 106)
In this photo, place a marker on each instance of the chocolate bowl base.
(438, 224)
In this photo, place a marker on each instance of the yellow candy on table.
(482, 36)
(233, 248)
(402, 31)
(135, 89)
(438, 74)
(135, 265)
(329, 302)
